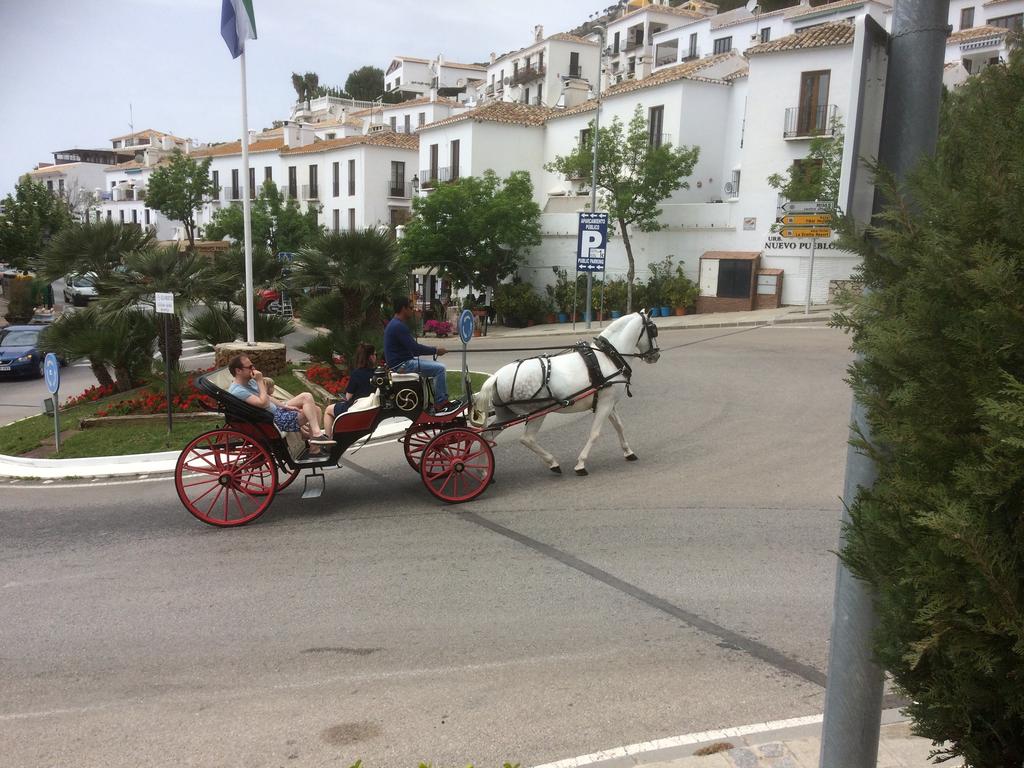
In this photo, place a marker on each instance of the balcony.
(806, 123)
(400, 189)
(489, 90)
(659, 139)
(528, 74)
(632, 45)
(310, 191)
(431, 177)
(576, 72)
(290, 192)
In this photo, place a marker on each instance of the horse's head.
(635, 334)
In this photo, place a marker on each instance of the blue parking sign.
(592, 242)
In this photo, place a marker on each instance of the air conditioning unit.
(507, 81)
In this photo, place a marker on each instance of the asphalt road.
(554, 616)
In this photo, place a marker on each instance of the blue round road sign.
(51, 372)
(466, 326)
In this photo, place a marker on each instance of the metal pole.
(167, 368)
(250, 318)
(593, 180)
(910, 119)
(56, 420)
(810, 277)
(575, 286)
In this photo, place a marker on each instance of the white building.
(78, 176)
(535, 74)
(408, 116)
(630, 42)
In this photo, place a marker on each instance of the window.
(574, 64)
(337, 219)
(515, 70)
(967, 17)
(692, 53)
(394, 122)
(433, 162)
(98, 214)
(585, 135)
(526, 95)
(655, 125)
(235, 195)
(145, 215)
(135, 216)
(293, 181)
(812, 115)
(252, 183)
(351, 177)
(314, 173)
(408, 123)
(540, 60)
(398, 82)
(540, 94)
(1008, 22)
(49, 185)
(268, 173)
(109, 214)
(336, 182)
(113, 184)
(723, 45)
(121, 212)
(330, 136)
(421, 118)
(631, 65)
(216, 183)
(615, 43)
(117, 145)
(734, 278)
(351, 219)
(455, 159)
(60, 185)
(501, 78)
(766, 34)
(397, 179)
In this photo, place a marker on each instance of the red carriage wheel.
(457, 465)
(225, 478)
(415, 440)
(285, 477)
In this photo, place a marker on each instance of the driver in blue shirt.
(402, 351)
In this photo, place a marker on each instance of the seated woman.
(291, 416)
(359, 383)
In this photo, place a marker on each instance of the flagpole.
(250, 325)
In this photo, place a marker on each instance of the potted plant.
(518, 304)
(561, 294)
(615, 296)
(682, 291)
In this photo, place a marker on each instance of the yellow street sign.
(805, 232)
(806, 219)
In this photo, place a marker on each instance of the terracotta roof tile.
(377, 139)
(512, 113)
(235, 147)
(147, 132)
(798, 12)
(823, 36)
(664, 9)
(740, 15)
(975, 33)
(565, 37)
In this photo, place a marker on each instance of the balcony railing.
(401, 189)
(807, 122)
(489, 90)
(526, 74)
(632, 45)
(576, 72)
(658, 139)
(310, 191)
(431, 177)
(290, 193)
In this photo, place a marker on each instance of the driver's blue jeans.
(428, 368)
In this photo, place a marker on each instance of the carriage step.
(305, 460)
(315, 489)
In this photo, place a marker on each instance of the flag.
(237, 24)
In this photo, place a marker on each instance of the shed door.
(709, 277)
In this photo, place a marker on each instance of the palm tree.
(99, 247)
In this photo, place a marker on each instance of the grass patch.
(24, 435)
(455, 388)
(135, 438)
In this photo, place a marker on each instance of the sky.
(69, 69)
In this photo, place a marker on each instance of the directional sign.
(591, 242)
(808, 206)
(807, 219)
(805, 232)
(51, 372)
(466, 325)
(164, 303)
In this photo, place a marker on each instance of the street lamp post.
(593, 180)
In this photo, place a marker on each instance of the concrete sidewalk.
(794, 743)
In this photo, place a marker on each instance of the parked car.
(79, 290)
(19, 350)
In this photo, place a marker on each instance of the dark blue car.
(19, 350)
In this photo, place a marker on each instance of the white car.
(80, 289)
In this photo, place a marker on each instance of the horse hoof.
(556, 469)
(632, 457)
(582, 472)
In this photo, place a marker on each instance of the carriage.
(230, 475)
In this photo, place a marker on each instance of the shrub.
(19, 302)
(518, 303)
(440, 328)
(327, 377)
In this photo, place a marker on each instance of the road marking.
(631, 750)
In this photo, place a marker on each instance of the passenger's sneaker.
(447, 406)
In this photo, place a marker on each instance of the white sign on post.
(164, 303)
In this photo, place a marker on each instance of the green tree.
(365, 83)
(483, 224)
(32, 216)
(634, 175)
(98, 247)
(179, 189)
(816, 177)
(941, 375)
(356, 274)
(277, 223)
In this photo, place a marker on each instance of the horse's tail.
(482, 403)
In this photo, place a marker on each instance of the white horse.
(539, 383)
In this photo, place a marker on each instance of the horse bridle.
(651, 330)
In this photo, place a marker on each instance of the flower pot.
(655, 312)
(550, 318)
(666, 311)
(616, 314)
(563, 317)
(680, 311)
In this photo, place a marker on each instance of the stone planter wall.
(268, 357)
